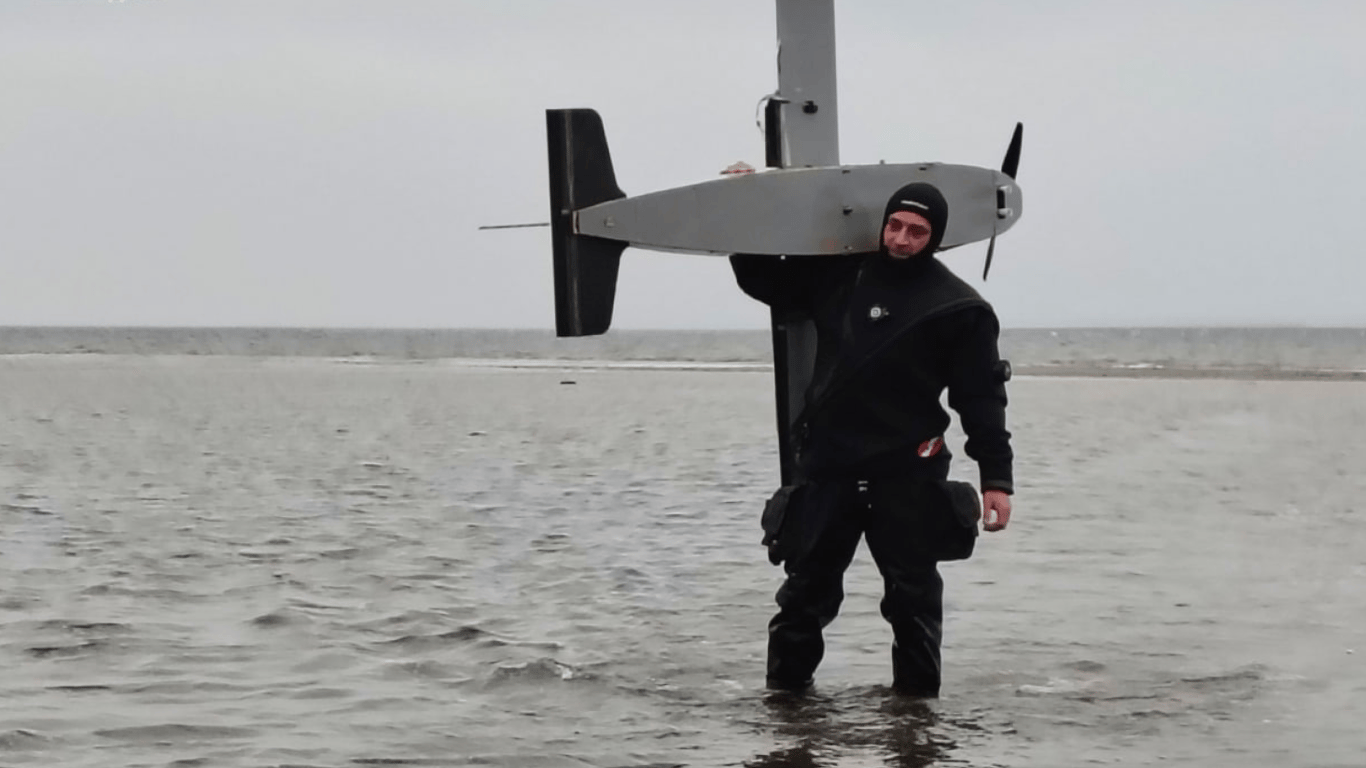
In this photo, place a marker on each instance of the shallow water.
(231, 561)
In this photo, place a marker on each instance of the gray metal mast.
(806, 83)
(802, 131)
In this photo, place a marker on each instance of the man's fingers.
(995, 511)
(998, 520)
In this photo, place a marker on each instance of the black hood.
(925, 200)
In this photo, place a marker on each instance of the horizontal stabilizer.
(585, 266)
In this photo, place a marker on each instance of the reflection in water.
(902, 730)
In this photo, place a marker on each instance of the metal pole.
(807, 135)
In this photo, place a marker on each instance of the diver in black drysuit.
(892, 334)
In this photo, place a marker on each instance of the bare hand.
(995, 510)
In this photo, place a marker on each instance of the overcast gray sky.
(326, 162)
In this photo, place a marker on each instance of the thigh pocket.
(951, 511)
(937, 519)
(796, 518)
(775, 521)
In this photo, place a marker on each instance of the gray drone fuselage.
(801, 211)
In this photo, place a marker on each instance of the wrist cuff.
(1005, 486)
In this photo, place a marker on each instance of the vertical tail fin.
(585, 267)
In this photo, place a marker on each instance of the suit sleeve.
(977, 392)
(784, 284)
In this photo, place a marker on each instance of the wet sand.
(233, 561)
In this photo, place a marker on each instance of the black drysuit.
(892, 335)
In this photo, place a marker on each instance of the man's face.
(906, 234)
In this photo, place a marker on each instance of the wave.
(542, 670)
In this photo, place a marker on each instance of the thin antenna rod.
(515, 226)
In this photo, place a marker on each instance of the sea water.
(334, 560)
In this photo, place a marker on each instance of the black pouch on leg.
(951, 511)
(776, 517)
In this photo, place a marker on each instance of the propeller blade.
(1009, 167)
(1012, 162)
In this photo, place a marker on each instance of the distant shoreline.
(1050, 370)
(1246, 373)
(1250, 354)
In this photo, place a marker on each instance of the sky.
(326, 163)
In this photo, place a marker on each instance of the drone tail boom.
(585, 266)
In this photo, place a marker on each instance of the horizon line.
(416, 328)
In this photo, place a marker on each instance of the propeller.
(1012, 162)
(1009, 167)
(991, 249)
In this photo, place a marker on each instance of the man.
(894, 329)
